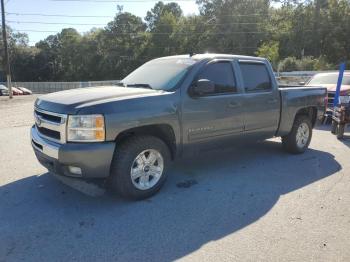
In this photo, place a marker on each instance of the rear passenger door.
(261, 99)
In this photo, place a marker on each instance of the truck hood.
(71, 101)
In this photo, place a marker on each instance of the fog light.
(75, 170)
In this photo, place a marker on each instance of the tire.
(328, 120)
(322, 120)
(291, 143)
(130, 159)
(334, 127)
(340, 131)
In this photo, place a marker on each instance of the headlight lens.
(86, 128)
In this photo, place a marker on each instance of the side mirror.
(203, 87)
(302, 83)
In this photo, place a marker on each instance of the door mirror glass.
(203, 87)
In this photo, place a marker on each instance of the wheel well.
(162, 131)
(310, 112)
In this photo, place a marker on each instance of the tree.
(288, 64)
(122, 45)
(270, 50)
(15, 40)
(235, 26)
(298, 35)
(160, 9)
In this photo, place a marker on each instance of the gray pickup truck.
(127, 134)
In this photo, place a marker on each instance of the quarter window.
(256, 78)
(221, 74)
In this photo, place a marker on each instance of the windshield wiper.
(139, 85)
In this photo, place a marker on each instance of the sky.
(16, 9)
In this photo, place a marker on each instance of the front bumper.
(94, 159)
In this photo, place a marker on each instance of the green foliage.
(160, 9)
(288, 64)
(296, 35)
(270, 50)
(322, 64)
(305, 64)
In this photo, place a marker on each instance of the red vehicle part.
(16, 91)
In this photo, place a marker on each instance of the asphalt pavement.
(252, 203)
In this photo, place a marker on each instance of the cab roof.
(213, 56)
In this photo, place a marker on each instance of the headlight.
(344, 99)
(86, 128)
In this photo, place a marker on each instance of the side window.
(221, 74)
(256, 78)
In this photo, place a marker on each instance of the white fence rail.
(49, 87)
(295, 77)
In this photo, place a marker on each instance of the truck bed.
(293, 98)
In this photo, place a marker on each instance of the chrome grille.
(51, 125)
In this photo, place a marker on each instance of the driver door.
(217, 114)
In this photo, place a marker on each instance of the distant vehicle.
(171, 106)
(25, 91)
(4, 90)
(16, 91)
(329, 80)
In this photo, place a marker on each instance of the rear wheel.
(298, 140)
(139, 166)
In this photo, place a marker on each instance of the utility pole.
(6, 51)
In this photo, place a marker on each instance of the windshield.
(328, 79)
(159, 74)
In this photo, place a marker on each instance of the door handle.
(272, 101)
(233, 105)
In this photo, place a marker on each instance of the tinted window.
(255, 77)
(221, 74)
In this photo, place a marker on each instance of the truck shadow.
(205, 199)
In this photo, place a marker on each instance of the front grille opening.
(52, 118)
(49, 133)
(331, 99)
(37, 145)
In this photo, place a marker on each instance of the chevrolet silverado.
(127, 134)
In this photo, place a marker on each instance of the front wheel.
(139, 166)
(299, 138)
